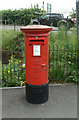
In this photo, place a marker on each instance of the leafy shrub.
(13, 74)
(63, 56)
(12, 40)
(20, 16)
(63, 66)
(62, 37)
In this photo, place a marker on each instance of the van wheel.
(35, 23)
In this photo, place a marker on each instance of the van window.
(45, 16)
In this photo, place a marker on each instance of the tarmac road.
(62, 103)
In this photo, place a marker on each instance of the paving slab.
(62, 103)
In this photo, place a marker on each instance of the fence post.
(77, 10)
(5, 22)
(49, 62)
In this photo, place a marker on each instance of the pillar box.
(36, 61)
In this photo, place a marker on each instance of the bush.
(12, 40)
(63, 56)
(20, 16)
(13, 74)
(63, 37)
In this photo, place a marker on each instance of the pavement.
(62, 103)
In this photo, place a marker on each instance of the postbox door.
(37, 62)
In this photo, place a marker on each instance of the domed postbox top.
(36, 29)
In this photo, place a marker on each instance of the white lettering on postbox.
(36, 50)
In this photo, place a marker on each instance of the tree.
(21, 16)
(73, 13)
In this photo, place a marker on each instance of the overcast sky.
(57, 5)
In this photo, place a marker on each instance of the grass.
(63, 37)
(60, 38)
(0, 68)
(7, 38)
(63, 56)
(0, 38)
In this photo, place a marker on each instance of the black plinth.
(37, 94)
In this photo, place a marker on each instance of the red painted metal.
(36, 54)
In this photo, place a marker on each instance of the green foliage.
(12, 40)
(21, 16)
(64, 66)
(13, 74)
(0, 39)
(0, 69)
(63, 37)
(63, 56)
(73, 13)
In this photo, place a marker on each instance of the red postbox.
(36, 61)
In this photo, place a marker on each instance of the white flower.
(23, 65)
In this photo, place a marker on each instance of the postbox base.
(37, 94)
